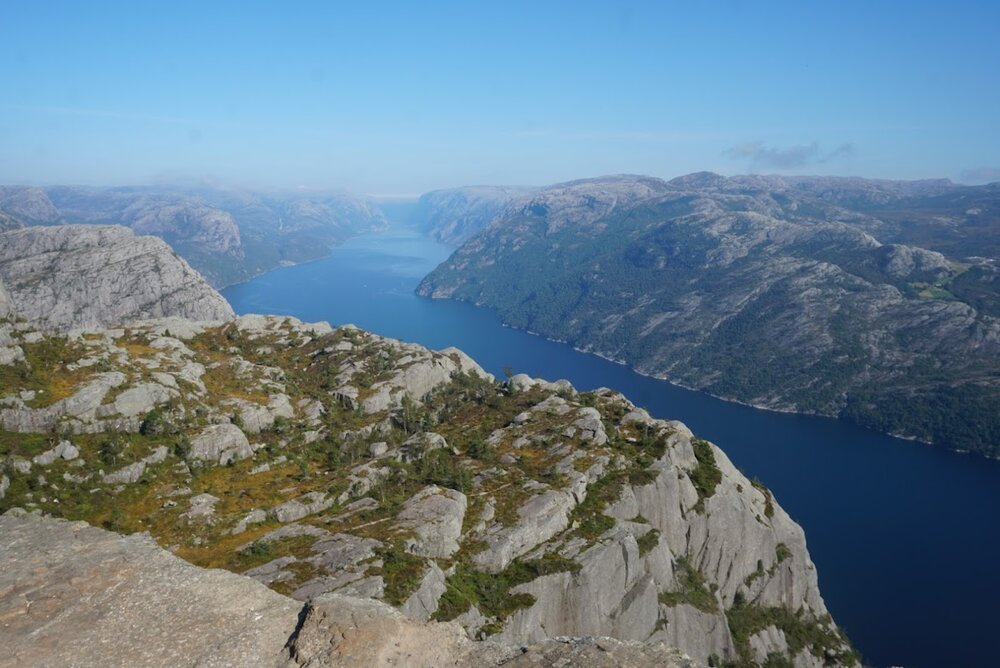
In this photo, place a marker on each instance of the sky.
(397, 98)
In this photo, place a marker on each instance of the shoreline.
(785, 411)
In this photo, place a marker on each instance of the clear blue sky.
(399, 98)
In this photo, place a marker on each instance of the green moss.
(490, 593)
(759, 573)
(694, 590)
(401, 571)
(802, 632)
(648, 541)
(768, 497)
(706, 476)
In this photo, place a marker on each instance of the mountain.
(452, 216)
(875, 301)
(8, 222)
(333, 462)
(97, 275)
(229, 235)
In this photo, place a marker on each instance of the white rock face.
(539, 519)
(94, 275)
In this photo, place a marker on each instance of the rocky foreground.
(325, 461)
(71, 594)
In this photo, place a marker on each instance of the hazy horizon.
(405, 197)
(398, 100)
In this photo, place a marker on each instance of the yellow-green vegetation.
(46, 370)
(931, 290)
(694, 590)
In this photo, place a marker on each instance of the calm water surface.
(905, 536)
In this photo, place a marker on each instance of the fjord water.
(905, 536)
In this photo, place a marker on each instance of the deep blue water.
(905, 536)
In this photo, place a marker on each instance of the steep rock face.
(74, 595)
(88, 275)
(799, 294)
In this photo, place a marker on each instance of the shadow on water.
(905, 536)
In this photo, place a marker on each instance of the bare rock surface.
(91, 275)
(73, 595)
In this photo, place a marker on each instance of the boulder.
(307, 504)
(64, 450)
(127, 474)
(435, 515)
(220, 443)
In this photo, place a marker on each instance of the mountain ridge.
(777, 298)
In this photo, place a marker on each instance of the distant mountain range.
(228, 235)
(877, 301)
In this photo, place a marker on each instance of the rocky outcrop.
(93, 276)
(74, 595)
(221, 443)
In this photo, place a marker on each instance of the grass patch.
(648, 541)
(706, 476)
(401, 571)
(694, 590)
(802, 632)
(490, 592)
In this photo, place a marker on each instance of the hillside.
(228, 235)
(875, 301)
(322, 460)
(454, 215)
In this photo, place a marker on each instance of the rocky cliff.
(92, 275)
(74, 595)
(229, 235)
(876, 301)
(334, 465)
